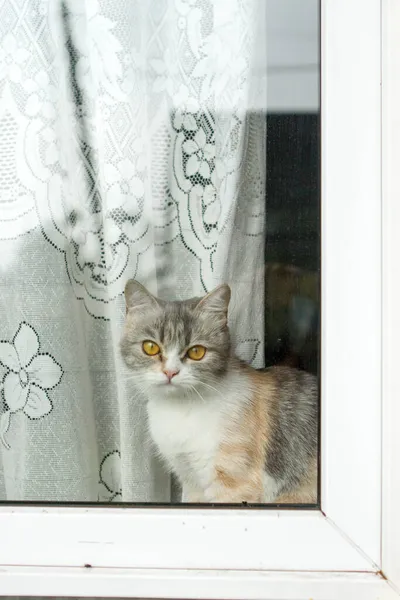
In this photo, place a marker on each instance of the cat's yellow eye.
(196, 352)
(150, 348)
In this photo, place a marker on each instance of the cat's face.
(173, 347)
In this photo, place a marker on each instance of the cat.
(230, 433)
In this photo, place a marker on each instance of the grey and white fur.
(229, 433)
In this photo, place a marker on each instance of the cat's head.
(173, 347)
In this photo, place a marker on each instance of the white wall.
(293, 55)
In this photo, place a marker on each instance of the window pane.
(177, 145)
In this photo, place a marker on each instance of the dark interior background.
(292, 250)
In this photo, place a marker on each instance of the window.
(179, 166)
(343, 548)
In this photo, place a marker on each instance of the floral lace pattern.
(135, 154)
(110, 477)
(30, 374)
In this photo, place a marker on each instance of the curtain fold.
(132, 144)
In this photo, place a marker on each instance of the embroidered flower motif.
(122, 200)
(53, 153)
(212, 207)
(135, 66)
(12, 58)
(223, 65)
(98, 41)
(110, 477)
(184, 6)
(96, 235)
(99, 235)
(205, 207)
(186, 108)
(40, 90)
(166, 70)
(200, 152)
(86, 233)
(30, 374)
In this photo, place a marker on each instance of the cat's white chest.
(187, 435)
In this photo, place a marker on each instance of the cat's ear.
(137, 297)
(216, 301)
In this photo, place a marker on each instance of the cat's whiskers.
(198, 393)
(212, 388)
(136, 378)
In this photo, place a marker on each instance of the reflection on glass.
(175, 148)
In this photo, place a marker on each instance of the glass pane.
(174, 145)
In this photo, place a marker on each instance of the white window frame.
(350, 548)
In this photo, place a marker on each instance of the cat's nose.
(170, 373)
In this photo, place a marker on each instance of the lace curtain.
(132, 144)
